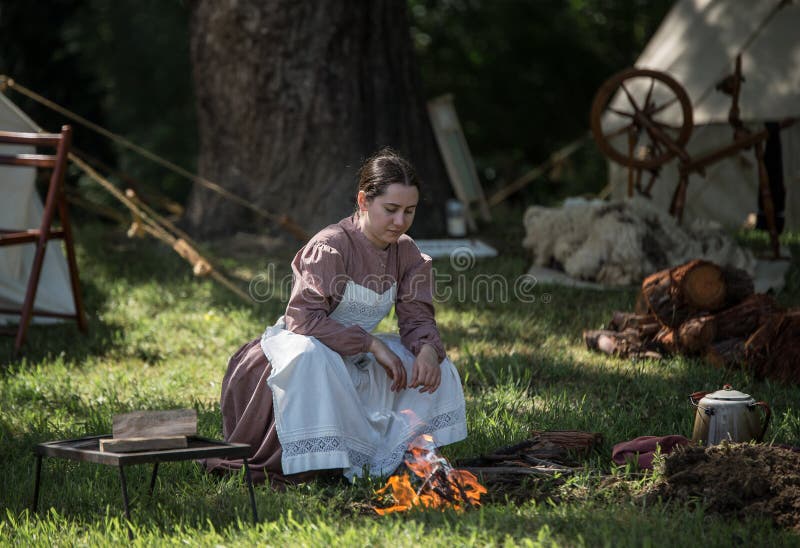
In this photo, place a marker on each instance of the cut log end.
(704, 286)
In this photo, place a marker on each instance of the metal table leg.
(153, 478)
(125, 502)
(35, 502)
(250, 488)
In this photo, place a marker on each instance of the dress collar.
(352, 221)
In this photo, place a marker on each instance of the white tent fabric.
(697, 44)
(21, 207)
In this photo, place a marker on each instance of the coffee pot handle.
(695, 397)
(767, 416)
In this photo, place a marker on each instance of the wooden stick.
(558, 156)
(516, 470)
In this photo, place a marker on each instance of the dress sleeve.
(414, 306)
(319, 281)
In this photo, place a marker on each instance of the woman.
(319, 391)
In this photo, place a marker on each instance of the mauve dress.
(336, 264)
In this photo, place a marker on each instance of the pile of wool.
(619, 243)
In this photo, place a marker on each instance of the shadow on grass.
(68, 485)
(111, 266)
(45, 342)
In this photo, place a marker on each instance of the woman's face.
(387, 217)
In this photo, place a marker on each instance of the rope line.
(282, 220)
(152, 223)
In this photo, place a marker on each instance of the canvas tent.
(21, 207)
(697, 44)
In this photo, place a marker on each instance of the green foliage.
(160, 339)
(123, 64)
(524, 73)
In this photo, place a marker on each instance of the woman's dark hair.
(382, 169)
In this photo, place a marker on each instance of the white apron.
(335, 412)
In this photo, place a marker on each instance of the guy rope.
(145, 219)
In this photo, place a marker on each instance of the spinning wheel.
(652, 141)
(655, 113)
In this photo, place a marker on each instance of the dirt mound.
(735, 480)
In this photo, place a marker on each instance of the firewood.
(695, 334)
(726, 353)
(155, 424)
(132, 445)
(676, 294)
(480, 471)
(570, 439)
(773, 351)
(646, 324)
(742, 320)
(613, 343)
(666, 339)
(738, 285)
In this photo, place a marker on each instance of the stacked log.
(702, 309)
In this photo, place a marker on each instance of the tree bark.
(727, 353)
(292, 95)
(742, 320)
(774, 350)
(738, 285)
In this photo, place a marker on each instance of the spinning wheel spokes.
(620, 131)
(665, 106)
(622, 112)
(631, 100)
(649, 93)
(652, 140)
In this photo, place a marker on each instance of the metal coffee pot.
(728, 414)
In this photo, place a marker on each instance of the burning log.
(675, 294)
(441, 486)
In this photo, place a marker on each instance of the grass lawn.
(160, 338)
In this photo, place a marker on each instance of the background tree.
(523, 73)
(292, 95)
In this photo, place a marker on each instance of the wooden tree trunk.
(292, 95)
(676, 294)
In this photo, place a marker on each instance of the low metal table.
(87, 449)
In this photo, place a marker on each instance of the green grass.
(160, 339)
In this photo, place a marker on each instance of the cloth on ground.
(641, 450)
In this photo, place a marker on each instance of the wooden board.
(130, 445)
(457, 157)
(155, 424)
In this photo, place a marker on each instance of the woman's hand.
(390, 362)
(426, 371)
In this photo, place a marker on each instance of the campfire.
(429, 481)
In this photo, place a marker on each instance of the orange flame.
(442, 486)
